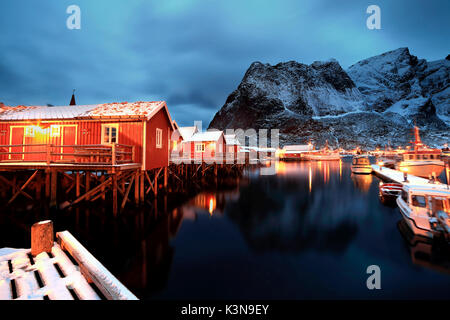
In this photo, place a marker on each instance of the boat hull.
(421, 169)
(410, 222)
(323, 157)
(361, 169)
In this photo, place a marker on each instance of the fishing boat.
(422, 161)
(390, 190)
(361, 165)
(325, 154)
(426, 209)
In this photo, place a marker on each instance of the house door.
(69, 134)
(16, 138)
(35, 140)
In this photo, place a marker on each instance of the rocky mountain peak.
(375, 99)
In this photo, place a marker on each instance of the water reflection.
(362, 181)
(282, 213)
(424, 252)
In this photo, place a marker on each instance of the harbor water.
(308, 232)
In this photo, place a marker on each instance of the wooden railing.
(94, 153)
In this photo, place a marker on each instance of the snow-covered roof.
(231, 139)
(206, 136)
(298, 147)
(146, 109)
(187, 132)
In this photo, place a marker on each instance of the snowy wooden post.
(41, 237)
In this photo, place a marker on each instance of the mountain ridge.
(380, 98)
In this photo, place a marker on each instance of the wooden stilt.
(155, 185)
(77, 184)
(23, 187)
(102, 180)
(125, 197)
(114, 191)
(88, 182)
(53, 188)
(165, 178)
(47, 184)
(142, 186)
(136, 187)
(38, 185)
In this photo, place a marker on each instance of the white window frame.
(30, 131)
(109, 125)
(158, 139)
(55, 130)
(202, 147)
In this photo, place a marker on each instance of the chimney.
(72, 101)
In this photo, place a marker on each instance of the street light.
(380, 164)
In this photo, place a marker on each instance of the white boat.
(361, 165)
(324, 154)
(426, 209)
(422, 161)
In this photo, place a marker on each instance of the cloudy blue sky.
(193, 53)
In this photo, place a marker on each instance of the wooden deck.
(398, 176)
(69, 166)
(69, 272)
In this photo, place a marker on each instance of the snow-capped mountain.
(375, 100)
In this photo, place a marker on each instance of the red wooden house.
(141, 132)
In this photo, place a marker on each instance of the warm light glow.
(381, 163)
(212, 205)
(310, 178)
(30, 131)
(404, 169)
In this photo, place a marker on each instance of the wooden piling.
(88, 182)
(53, 188)
(41, 237)
(77, 184)
(114, 192)
(136, 187)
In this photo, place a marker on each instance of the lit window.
(29, 131)
(158, 138)
(200, 147)
(109, 133)
(55, 131)
(175, 145)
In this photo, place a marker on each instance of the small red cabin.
(209, 145)
(141, 130)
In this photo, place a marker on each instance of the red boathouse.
(139, 132)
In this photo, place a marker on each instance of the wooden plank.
(111, 288)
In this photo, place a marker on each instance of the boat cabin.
(361, 161)
(425, 200)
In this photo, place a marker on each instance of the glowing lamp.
(405, 174)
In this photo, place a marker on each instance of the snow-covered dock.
(398, 176)
(68, 272)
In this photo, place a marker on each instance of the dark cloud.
(192, 53)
